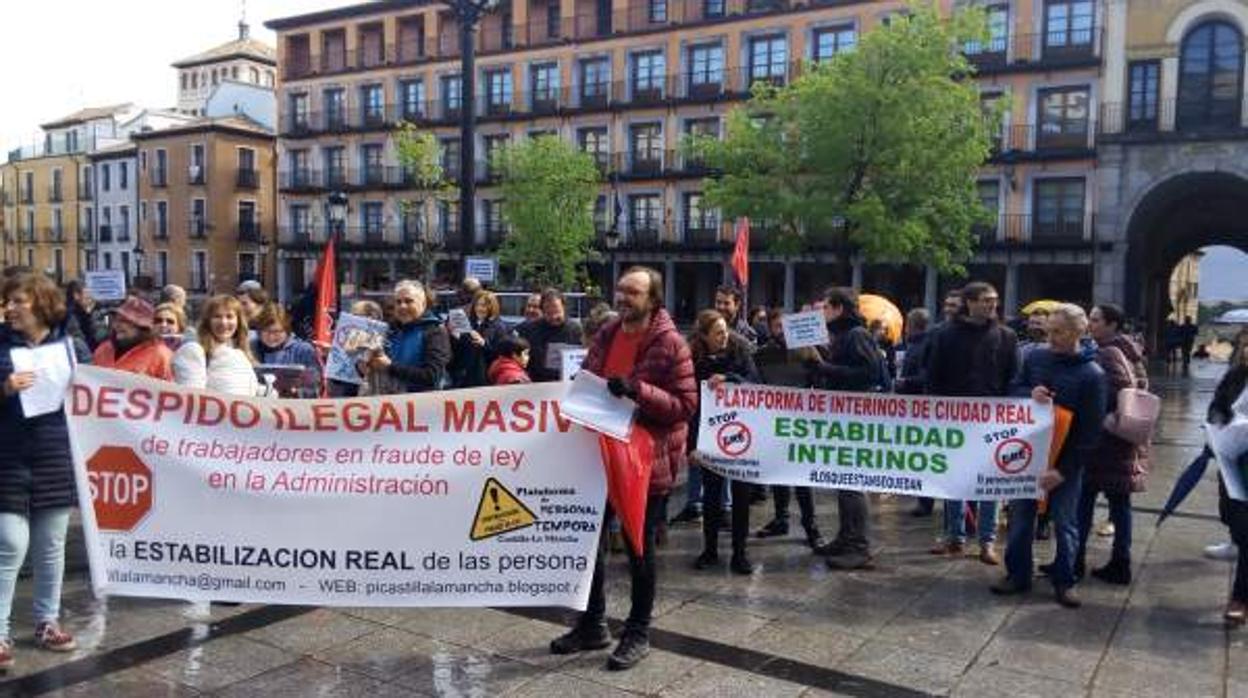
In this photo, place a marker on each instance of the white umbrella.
(1238, 316)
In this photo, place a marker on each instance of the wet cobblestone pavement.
(914, 625)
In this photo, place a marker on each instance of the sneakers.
(988, 554)
(1067, 598)
(1236, 613)
(774, 529)
(851, 560)
(687, 515)
(1106, 529)
(948, 548)
(1222, 551)
(582, 638)
(633, 647)
(49, 636)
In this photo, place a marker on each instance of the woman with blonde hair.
(223, 334)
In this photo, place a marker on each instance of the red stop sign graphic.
(121, 488)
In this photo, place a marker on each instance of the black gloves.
(620, 388)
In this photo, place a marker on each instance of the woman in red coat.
(133, 345)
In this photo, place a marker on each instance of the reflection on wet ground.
(915, 625)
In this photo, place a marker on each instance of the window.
(769, 56)
(544, 86)
(1143, 80)
(494, 227)
(199, 271)
(712, 8)
(234, 72)
(125, 263)
(594, 140)
(998, 33)
(106, 178)
(194, 81)
(162, 267)
(1210, 76)
(1063, 118)
(412, 99)
(703, 127)
(1068, 24)
(372, 105)
(248, 224)
(143, 160)
(830, 41)
(335, 166)
(370, 160)
(106, 224)
(450, 157)
(196, 170)
(370, 221)
(448, 215)
(644, 212)
(123, 176)
(595, 81)
(646, 147)
(58, 223)
(108, 259)
(58, 264)
(553, 19)
(199, 221)
(162, 219)
(648, 73)
(298, 112)
(143, 211)
(706, 69)
(701, 222)
(493, 146)
(335, 104)
(498, 91)
(184, 82)
(657, 11)
(1059, 208)
(989, 191)
(450, 94)
(159, 175)
(246, 159)
(247, 266)
(123, 224)
(300, 221)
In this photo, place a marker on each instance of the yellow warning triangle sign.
(498, 512)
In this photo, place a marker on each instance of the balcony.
(84, 234)
(1047, 141)
(85, 190)
(55, 195)
(195, 174)
(26, 235)
(1171, 121)
(370, 56)
(106, 233)
(159, 177)
(1073, 48)
(26, 196)
(701, 235)
(123, 233)
(247, 178)
(249, 232)
(1020, 230)
(197, 228)
(644, 234)
(54, 235)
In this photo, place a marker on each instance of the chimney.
(243, 30)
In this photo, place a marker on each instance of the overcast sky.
(59, 56)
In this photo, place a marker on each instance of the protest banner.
(106, 284)
(943, 447)
(483, 497)
(805, 329)
(354, 338)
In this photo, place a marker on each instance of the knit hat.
(137, 312)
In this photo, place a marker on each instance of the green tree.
(877, 148)
(548, 188)
(421, 158)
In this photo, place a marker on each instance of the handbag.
(1136, 416)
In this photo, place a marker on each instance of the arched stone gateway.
(1160, 202)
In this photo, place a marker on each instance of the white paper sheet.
(554, 355)
(805, 329)
(53, 369)
(571, 362)
(589, 404)
(457, 321)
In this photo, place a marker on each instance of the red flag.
(326, 290)
(628, 481)
(741, 252)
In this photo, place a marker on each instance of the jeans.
(851, 509)
(693, 490)
(713, 512)
(1063, 503)
(955, 521)
(43, 533)
(1119, 515)
(782, 494)
(641, 569)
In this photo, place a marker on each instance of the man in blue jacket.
(1063, 372)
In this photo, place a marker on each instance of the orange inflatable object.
(872, 308)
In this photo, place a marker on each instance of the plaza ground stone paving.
(915, 625)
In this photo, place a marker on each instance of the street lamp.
(469, 14)
(612, 238)
(138, 263)
(337, 210)
(264, 258)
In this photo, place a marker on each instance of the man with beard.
(644, 358)
(133, 345)
(728, 303)
(553, 328)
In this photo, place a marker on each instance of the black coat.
(1078, 384)
(735, 364)
(36, 467)
(471, 362)
(851, 361)
(967, 359)
(913, 377)
(777, 365)
(541, 335)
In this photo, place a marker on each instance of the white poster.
(484, 497)
(924, 446)
(106, 285)
(805, 329)
(484, 269)
(570, 362)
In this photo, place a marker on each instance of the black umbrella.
(1186, 483)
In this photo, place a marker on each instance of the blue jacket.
(1078, 384)
(36, 467)
(419, 353)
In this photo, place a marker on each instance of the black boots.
(584, 637)
(1117, 572)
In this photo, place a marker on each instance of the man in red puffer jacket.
(643, 357)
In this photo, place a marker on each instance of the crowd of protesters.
(1062, 355)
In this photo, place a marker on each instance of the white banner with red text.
(925, 446)
(483, 497)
